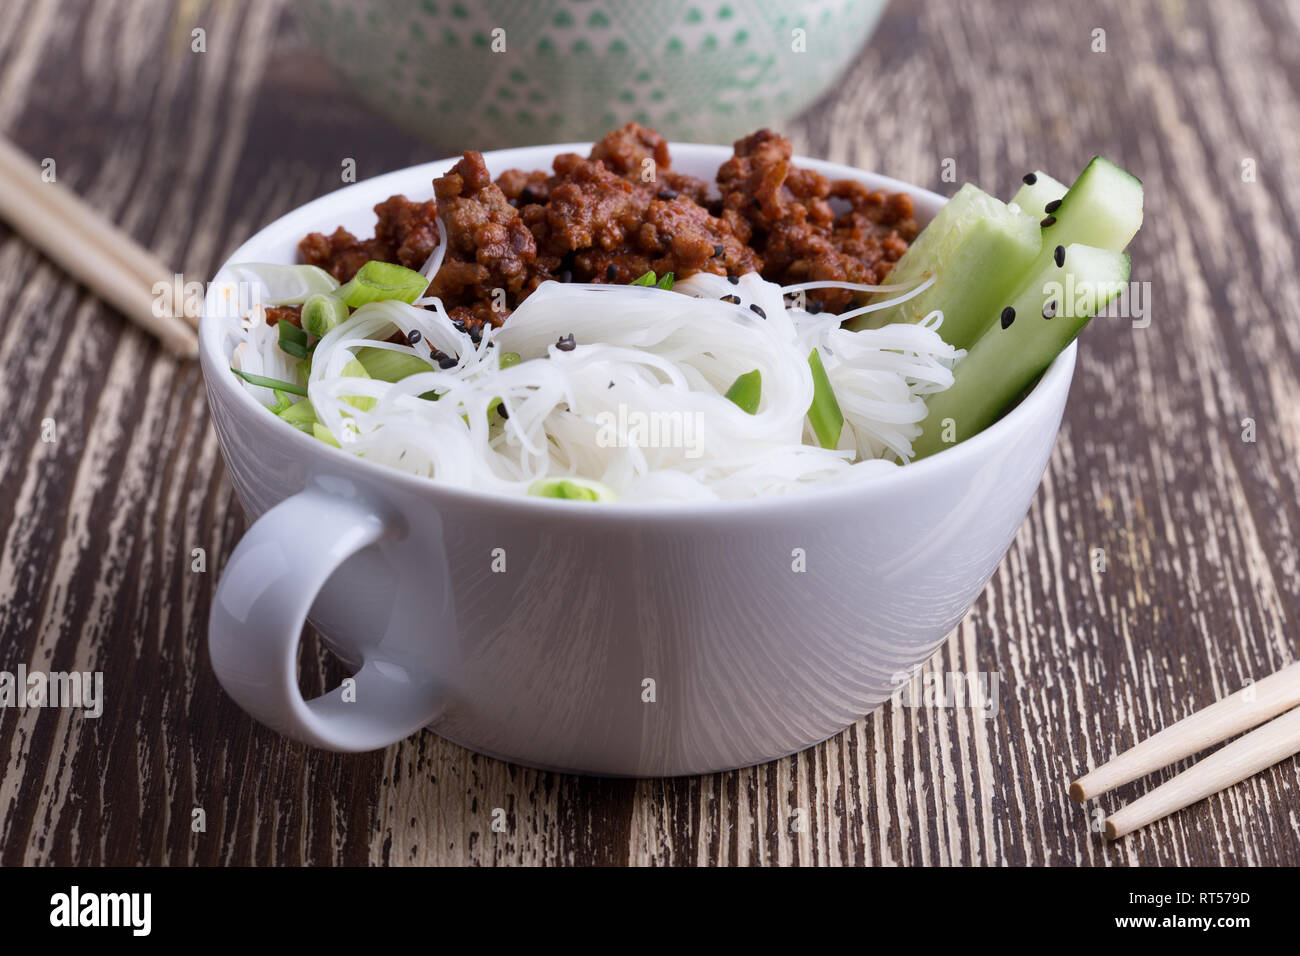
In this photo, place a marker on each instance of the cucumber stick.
(979, 248)
(1103, 209)
(1032, 198)
(1017, 348)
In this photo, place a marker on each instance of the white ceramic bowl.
(548, 662)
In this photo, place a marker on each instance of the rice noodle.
(851, 286)
(259, 354)
(638, 402)
(434, 262)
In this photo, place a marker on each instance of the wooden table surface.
(1201, 584)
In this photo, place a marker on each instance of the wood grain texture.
(191, 153)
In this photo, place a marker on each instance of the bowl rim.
(1056, 378)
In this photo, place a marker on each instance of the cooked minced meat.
(622, 211)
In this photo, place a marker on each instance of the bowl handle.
(261, 605)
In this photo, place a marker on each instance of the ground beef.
(622, 211)
(523, 188)
(629, 150)
(406, 233)
(289, 313)
(786, 216)
(607, 228)
(640, 155)
(341, 254)
(488, 245)
(589, 208)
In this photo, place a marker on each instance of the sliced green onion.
(648, 279)
(432, 395)
(301, 415)
(376, 281)
(293, 340)
(323, 433)
(389, 365)
(355, 369)
(322, 312)
(508, 359)
(282, 401)
(746, 390)
(284, 284)
(272, 383)
(573, 489)
(824, 412)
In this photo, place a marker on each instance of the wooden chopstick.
(1246, 708)
(92, 250)
(1258, 750)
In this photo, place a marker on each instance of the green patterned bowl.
(486, 74)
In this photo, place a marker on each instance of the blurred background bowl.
(696, 70)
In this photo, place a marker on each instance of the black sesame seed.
(611, 272)
(459, 323)
(1052, 206)
(1049, 221)
(734, 280)
(566, 276)
(757, 311)
(733, 299)
(1029, 179)
(611, 384)
(413, 336)
(1049, 310)
(718, 250)
(501, 410)
(814, 307)
(1008, 316)
(1059, 256)
(476, 334)
(667, 195)
(566, 343)
(527, 196)
(443, 359)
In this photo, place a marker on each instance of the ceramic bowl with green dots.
(485, 74)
